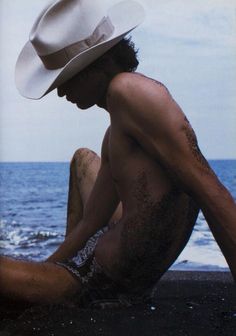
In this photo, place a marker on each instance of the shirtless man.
(131, 213)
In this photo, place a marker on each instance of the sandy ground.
(185, 303)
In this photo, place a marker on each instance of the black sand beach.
(185, 303)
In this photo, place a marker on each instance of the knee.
(80, 154)
(83, 156)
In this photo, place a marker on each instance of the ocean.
(33, 200)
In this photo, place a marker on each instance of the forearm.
(78, 237)
(74, 242)
(99, 208)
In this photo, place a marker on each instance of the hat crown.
(65, 22)
(69, 35)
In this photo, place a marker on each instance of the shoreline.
(184, 303)
(202, 275)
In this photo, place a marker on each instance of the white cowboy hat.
(67, 36)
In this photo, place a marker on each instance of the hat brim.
(34, 81)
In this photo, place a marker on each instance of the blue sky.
(188, 45)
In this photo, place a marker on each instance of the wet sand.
(185, 303)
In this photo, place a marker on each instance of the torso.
(157, 217)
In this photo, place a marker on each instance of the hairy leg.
(84, 168)
(35, 282)
(46, 282)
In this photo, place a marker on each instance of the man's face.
(85, 89)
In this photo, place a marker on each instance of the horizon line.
(61, 161)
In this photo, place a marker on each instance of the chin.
(84, 106)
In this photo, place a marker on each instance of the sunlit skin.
(148, 186)
(95, 90)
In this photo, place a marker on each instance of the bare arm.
(97, 213)
(154, 119)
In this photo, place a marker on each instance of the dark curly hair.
(123, 54)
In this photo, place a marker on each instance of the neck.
(109, 77)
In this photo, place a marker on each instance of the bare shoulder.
(130, 86)
(142, 97)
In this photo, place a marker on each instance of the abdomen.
(154, 236)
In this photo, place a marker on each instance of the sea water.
(33, 200)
